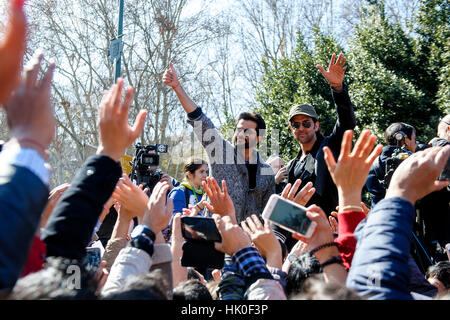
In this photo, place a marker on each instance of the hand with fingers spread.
(417, 176)
(12, 49)
(159, 208)
(303, 196)
(335, 73)
(220, 201)
(29, 110)
(264, 239)
(131, 197)
(351, 171)
(115, 133)
(233, 237)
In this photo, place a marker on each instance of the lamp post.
(115, 49)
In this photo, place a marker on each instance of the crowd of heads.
(148, 255)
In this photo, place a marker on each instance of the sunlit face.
(198, 176)
(245, 134)
(302, 134)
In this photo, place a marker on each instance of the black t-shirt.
(252, 169)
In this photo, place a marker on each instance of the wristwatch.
(142, 238)
(292, 257)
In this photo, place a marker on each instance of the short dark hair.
(389, 133)
(192, 164)
(441, 272)
(301, 268)
(191, 290)
(255, 117)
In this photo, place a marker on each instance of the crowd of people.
(101, 236)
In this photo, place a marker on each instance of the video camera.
(145, 163)
(400, 153)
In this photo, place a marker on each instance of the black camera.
(144, 167)
(400, 153)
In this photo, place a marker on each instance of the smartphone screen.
(290, 216)
(200, 228)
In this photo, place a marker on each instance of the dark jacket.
(380, 265)
(377, 174)
(313, 167)
(69, 229)
(23, 197)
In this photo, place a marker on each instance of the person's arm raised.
(115, 133)
(351, 171)
(170, 78)
(335, 72)
(12, 50)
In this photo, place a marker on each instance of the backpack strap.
(186, 195)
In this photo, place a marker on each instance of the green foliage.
(391, 76)
(385, 86)
(433, 46)
(296, 79)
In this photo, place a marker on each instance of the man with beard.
(249, 180)
(309, 164)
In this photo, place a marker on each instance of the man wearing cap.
(309, 164)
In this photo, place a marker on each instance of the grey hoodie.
(229, 165)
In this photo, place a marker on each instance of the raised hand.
(303, 196)
(29, 110)
(335, 73)
(351, 171)
(131, 197)
(220, 201)
(159, 208)
(12, 49)
(264, 239)
(170, 77)
(115, 133)
(233, 237)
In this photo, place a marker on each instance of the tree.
(295, 79)
(385, 79)
(433, 47)
(77, 35)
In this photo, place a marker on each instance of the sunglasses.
(306, 124)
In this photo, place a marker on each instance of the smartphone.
(288, 215)
(92, 258)
(200, 228)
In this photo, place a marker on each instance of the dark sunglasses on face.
(306, 124)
